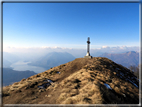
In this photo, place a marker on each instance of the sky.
(68, 25)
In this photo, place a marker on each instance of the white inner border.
(101, 1)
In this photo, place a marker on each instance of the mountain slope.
(10, 57)
(125, 59)
(53, 59)
(6, 63)
(82, 81)
(10, 76)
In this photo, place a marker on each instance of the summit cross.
(88, 53)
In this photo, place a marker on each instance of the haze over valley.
(41, 59)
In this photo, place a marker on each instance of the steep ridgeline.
(81, 81)
(125, 59)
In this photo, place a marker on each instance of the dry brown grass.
(16, 83)
(62, 97)
(87, 89)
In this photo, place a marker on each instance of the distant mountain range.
(10, 76)
(56, 58)
(53, 59)
(125, 59)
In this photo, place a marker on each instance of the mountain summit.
(53, 59)
(81, 81)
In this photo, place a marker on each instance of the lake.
(23, 66)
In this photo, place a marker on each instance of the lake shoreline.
(24, 66)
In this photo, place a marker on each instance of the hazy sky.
(69, 24)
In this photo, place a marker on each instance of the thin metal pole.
(88, 42)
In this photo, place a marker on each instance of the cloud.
(38, 51)
(105, 47)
